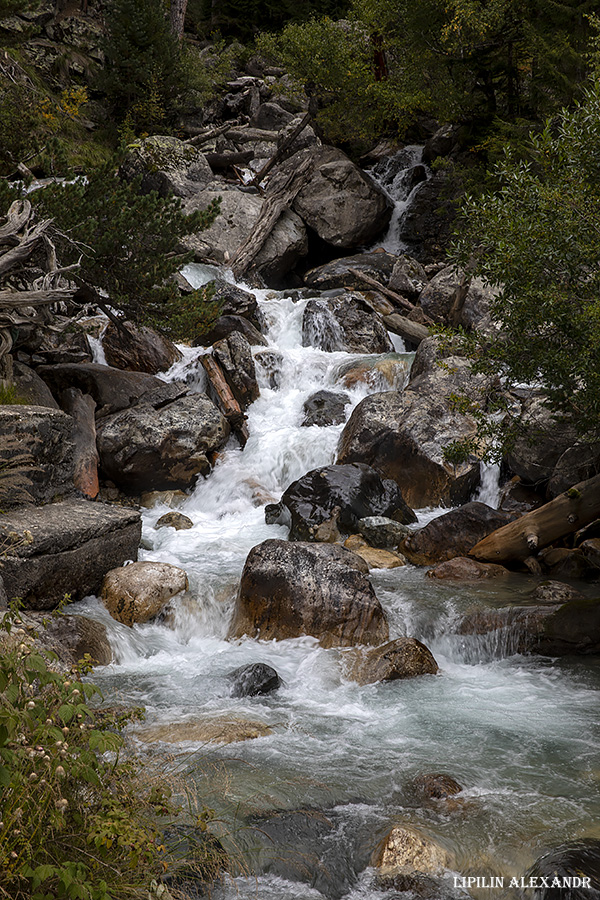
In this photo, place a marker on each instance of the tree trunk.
(398, 299)
(178, 8)
(520, 539)
(82, 407)
(227, 403)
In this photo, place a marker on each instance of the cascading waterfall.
(517, 732)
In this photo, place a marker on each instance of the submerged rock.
(574, 860)
(223, 730)
(139, 592)
(325, 408)
(436, 786)
(405, 850)
(341, 495)
(175, 520)
(403, 658)
(292, 589)
(460, 568)
(375, 557)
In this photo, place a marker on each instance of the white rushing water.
(520, 734)
(400, 176)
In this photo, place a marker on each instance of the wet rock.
(577, 463)
(270, 361)
(405, 850)
(340, 202)
(454, 533)
(555, 592)
(226, 325)
(344, 323)
(382, 532)
(564, 563)
(462, 569)
(71, 638)
(403, 437)
(237, 302)
(73, 544)
(591, 552)
(45, 438)
(253, 679)
(138, 348)
(519, 498)
(224, 730)
(235, 358)
(236, 222)
(291, 589)
(375, 557)
(112, 389)
(575, 860)
(430, 352)
(408, 277)
(573, 628)
(64, 347)
(346, 492)
(383, 372)
(144, 448)
(139, 592)
(436, 786)
(428, 222)
(175, 520)
(31, 388)
(166, 165)
(150, 499)
(540, 443)
(338, 274)
(440, 143)
(325, 408)
(403, 658)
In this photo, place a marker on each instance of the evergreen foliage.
(128, 245)
(246, 18)
(539, 238)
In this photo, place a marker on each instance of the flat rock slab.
(73, 544)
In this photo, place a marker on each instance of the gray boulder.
(71, 638)
(45, 437)
(437, 298)
(31, 387)
(166, 165)
(64, 549)
(292, 589)
(408, 277)
(403, 437)
(138, 348)
(540, 443)
(236, 222)
(325, 408)
(143, 448)
(454, 533)
(340, 202)
(271, 116)
(338, 274)
(235, 358)
(344, 323)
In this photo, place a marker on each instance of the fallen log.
(246, 135)
(372, 282)
(520, 539)
(282, 194)
(227, 403)
(27, 244)
(205, 135)
(16, 219)
(224, 160)
(281, 149)
(82, 407)
(410, 331)
(18, 299)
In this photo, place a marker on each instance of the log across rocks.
(294, 589)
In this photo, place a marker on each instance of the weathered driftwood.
(27, 244)
(281, 195)
(227, 403)
(246, 135)
(410, 331)
(18, 299)
(82, 408)
(225, 160)
(204, 135)
(282, 149)
(372, 282)
(520, 539)
(16, 219)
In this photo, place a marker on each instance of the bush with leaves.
(538, 237)
(76, 821)
(128, 245)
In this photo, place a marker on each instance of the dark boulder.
(344, 493)
(235, 358)
(344, 323)
(31, 388)
(226, 325)
(453, 534)
(574, 860)
(73, 544)
(253, 679)
(292, 589)
(138, 348)
(325, 408)
(338, 273)
(236, 302)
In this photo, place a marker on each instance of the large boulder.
(460, 568)
(437, 299)
(338, 273)
(344, 323)
(540, 443)
(403, 658)
(64, 549)
(31, 388)
(408, 277)
(143, 448)
(71, 638)
(454, 533)
(166, 165)
(403, 436)
(292, 589)
(36, 453)
(342, 493)
(235, 301)
(138, 348)
(340, 202)
(235, 358)
(112, 389)
(236, 222)
(140, 591)
(578, 463)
